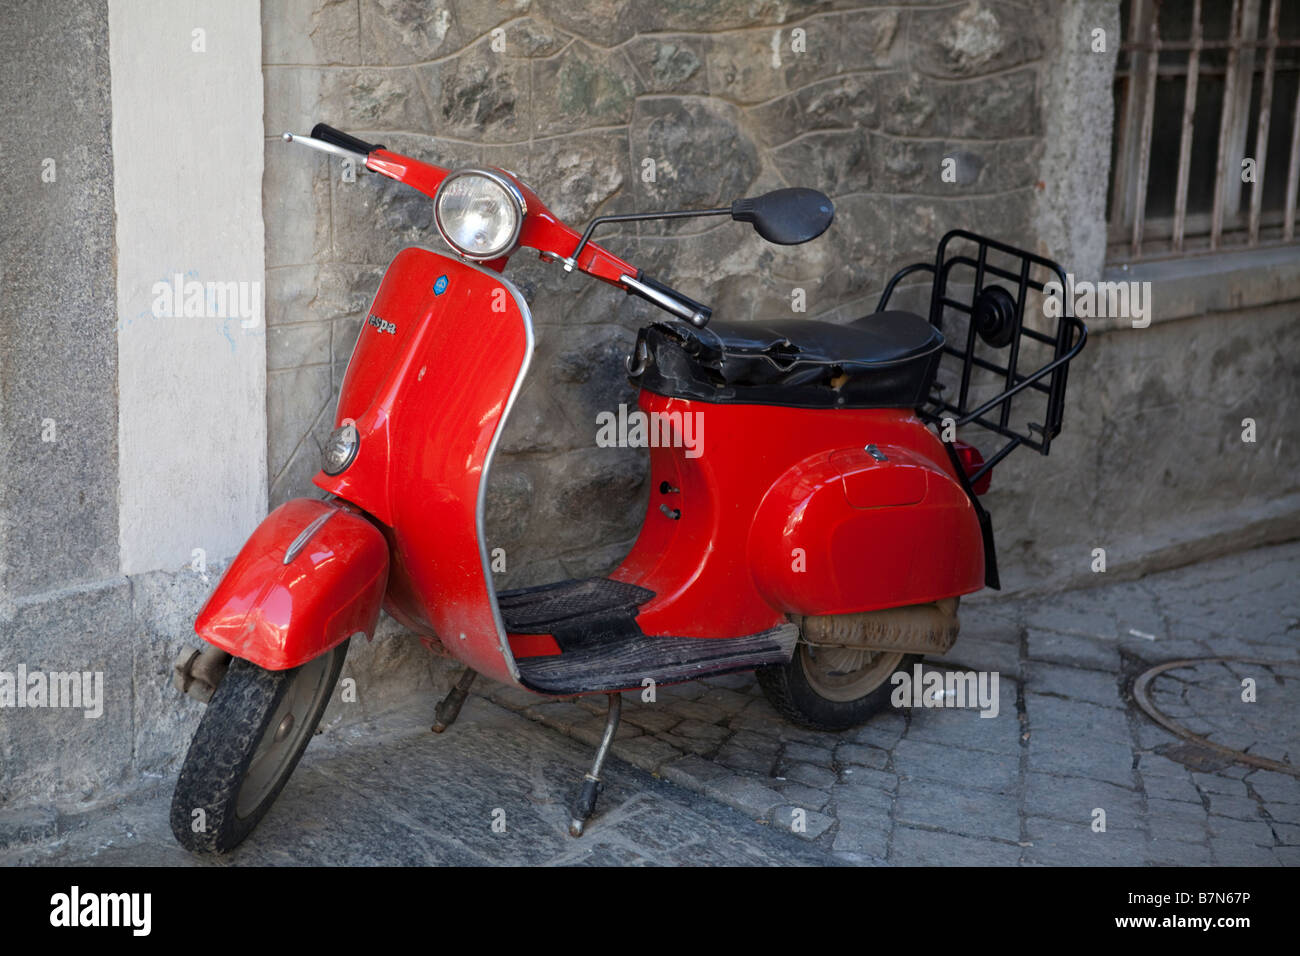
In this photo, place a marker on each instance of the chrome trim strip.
(300, 542)
(480, 505)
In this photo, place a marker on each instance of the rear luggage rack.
(995, 314)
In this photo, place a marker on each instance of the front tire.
(251, 737)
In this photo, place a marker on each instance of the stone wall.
(58, 351)
(860, 100)
(62, 606)
(120, 429)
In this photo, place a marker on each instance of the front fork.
(197, 672)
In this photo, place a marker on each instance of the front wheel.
(250, 739)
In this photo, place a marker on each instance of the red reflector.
(971, 461)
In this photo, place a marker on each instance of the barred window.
(1207, 133)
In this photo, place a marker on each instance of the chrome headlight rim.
(349, 434)
(500, 178)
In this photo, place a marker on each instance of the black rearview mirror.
(786, 216)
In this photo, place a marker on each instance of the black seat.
(884, 360)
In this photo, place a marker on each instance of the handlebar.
(336, 137)
(543, 230)
(668, 299)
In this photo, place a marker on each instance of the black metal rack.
(995, 320)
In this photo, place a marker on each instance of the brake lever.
(323, 146)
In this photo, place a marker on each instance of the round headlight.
(479, 212)
(340, 449)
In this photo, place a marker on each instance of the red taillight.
(971, 461)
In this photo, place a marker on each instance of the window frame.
(1128, 227)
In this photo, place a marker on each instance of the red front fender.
(280, 615)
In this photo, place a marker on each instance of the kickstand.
(448, 708)
(585, 805)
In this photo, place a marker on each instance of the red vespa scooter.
(805, 519)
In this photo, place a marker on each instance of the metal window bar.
(1148, 128)
(1122, 191)
(1185, 145)
(1227, 114)
(1261, 132)
(1293, 174)
(1136, 129)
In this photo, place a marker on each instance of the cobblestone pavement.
(943, 785)
(389, 792)
(708, 774)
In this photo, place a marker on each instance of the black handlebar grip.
(336, 137)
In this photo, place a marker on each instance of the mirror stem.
(641, 217)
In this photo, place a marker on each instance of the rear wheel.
(832, 688)
(250, 739)
(831, 685)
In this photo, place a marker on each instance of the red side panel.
(742, 537)
(281, 615)
(441, 379)
(869, 534)
(900, 478)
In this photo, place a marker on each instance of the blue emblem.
(440, 286)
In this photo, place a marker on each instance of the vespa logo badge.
(440, 286)
(381, 324)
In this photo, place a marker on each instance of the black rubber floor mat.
(543, 610)
(624, 662)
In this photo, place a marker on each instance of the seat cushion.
(884, 360)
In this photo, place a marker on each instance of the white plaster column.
(187, 155)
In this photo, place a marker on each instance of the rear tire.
(827, 686)
(827, 689)
(251, 737)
